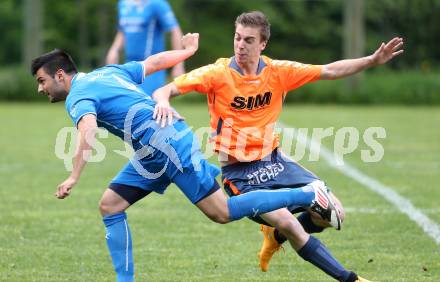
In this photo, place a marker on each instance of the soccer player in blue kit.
(141, 28)
(110, 97)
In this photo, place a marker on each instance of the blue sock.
(317, 254)
(119, 244)
(262, 201)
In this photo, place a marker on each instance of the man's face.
(247, 44)
(52, 87)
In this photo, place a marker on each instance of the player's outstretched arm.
(87, 128)
(167, 59)
(349, 67)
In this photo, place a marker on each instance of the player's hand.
(190, 41)
(163, 112)
(388, 51)
(177, 115)
(65, 188)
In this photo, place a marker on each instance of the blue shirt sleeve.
(165, 15)
(135, 70)
(80, 108)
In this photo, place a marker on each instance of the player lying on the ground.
(245, 97)
(111, 97)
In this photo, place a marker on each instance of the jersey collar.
(234, 65)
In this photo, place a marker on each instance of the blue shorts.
(175, 158)
(274, 172)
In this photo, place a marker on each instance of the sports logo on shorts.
(265, 173)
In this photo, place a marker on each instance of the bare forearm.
(166, 59)
(81, 156)
(163, 60)
(344, 68)
(87, 128)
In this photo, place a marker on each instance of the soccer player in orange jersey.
(245, 97)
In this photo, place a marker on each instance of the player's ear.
(263, 45)
(59, 74)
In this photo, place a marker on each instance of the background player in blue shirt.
(141, 28)
(111, 97)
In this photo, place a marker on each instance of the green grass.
(44, 239)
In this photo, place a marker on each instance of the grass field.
(44, 239)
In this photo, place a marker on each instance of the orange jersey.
(244, 109)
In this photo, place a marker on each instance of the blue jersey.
(143, 24)
(113, 95)
(162, 155)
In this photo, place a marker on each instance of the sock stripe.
(126, 246)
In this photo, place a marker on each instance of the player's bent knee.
(107, 207)
(221, 218)
(112, 203)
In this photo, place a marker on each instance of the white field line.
(365, 210)
(401, 203)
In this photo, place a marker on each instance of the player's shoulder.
(287, 64)
(223, 61)
(218, 67)
(79, 84)
(129, 66)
